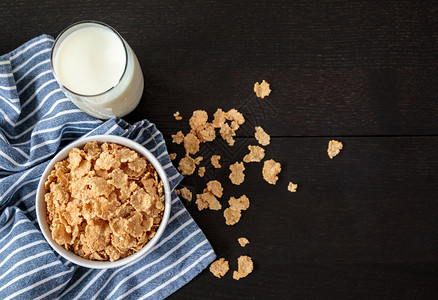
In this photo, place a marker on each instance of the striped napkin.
(36, 120)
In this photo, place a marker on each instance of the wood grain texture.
(363, 225)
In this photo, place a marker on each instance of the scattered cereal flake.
(207, 134)
(218, 118)
(172, 156)
(262, 90)
(201, 171)
(207, 200)
(334, 147)
(177, 116)
(235, 115)
(215, 161)
(271, 169)
(198, 160)
(191, 143)
(256, 154)
(227, 133)
(236, 175)
(178, 138)
(198, 120)
(245, 266)
(219, 267)
(292, 187)
(215, 187)
(232, 216)
(241, 203)
(261, 136)
(200, 202)
(243, 241)
(187, 165)
(212, 201)
(233, 213)
(185, 193)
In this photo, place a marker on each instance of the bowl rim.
(41, 207)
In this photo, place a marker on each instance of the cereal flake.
(271, 169)
(262, 137)
(292, 187)
(334, 147)
(177, 116)
(245, 267)
(219, 267)
(262, 90)
(237, 176)
(243, 241)
(178, 138)
(215, 161)
(185, 193)
(256, 154)
(187, 165)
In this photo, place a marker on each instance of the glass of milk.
(97, 69)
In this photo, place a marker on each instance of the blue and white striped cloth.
(36, 120)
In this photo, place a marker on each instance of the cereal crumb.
(215, 161)
(245, 266)
(185, 193)
(172, 156)
(262, 90)
(177, 116)
(271, 169)
(237, 176)
(334, 147)
(243, 241)
(187, 165)
(256, 154)
(178, 138)
(262, 137)
(201, 171)
(292, 187)
(233, 213)
(219, 267)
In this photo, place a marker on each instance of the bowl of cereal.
(103, 202)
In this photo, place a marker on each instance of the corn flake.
(262, 90)
(262, 137)
(237, 176)
(219, 267)
(256, 154)
(334, 147)
(187, 165)
(245, 267)
(201, 171)
(177, 116)
(178, 138)
(292, 187)
(191, 143)
(185, 193)
(270, 171)
(243, 241)
(215, 161)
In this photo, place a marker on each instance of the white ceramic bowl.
(41, 207)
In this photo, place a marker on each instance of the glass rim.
(60, 35)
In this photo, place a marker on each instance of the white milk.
(97, 70)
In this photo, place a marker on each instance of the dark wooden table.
(363, 225)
